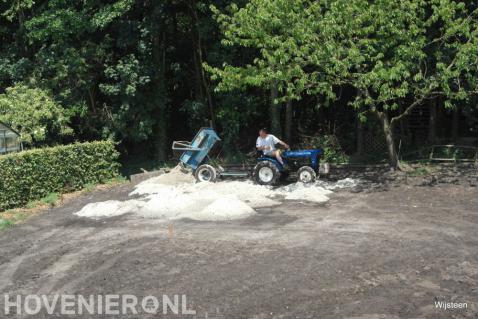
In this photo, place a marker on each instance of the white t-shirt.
(269, 142)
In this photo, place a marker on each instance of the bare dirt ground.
(381, 254)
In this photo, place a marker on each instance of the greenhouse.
(9, 140)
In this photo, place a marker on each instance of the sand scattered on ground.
(176, 195)
(340, 184)
(303, 192)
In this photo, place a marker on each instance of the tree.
(393, 53)
(34, 114)
(125, 69)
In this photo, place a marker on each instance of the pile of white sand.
(225, 208)
(110, 208)
(175, 195)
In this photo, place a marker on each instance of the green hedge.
(33, 174)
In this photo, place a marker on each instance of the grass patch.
(116, 180)
(418, 170)
(32, 204)
(5, 223)
(110, 182)
(51, 199)
(9, 218)
(89, 187)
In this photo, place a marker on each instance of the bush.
(35, 174)
(333, 152)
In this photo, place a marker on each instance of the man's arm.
(284, 144)
(277, 141)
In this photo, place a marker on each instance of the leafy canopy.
(393, 52)
(33, 113)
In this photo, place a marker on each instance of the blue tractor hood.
(302, 153)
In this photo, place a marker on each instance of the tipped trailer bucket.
(195, 154)
(196, 151)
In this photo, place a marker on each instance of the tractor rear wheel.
(266, 173)
(205, 173)
(306, 174)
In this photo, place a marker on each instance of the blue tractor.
(267, 171)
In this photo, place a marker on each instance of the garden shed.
(9, 140)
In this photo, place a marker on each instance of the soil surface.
(388, 253)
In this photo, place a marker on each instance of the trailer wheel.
(205, 173)
(306, 174)
(266, 173)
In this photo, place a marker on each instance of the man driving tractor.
(266, 143)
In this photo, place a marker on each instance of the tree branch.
(407, 111)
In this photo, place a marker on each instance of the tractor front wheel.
(205, 173)
(306, 174)
(266, 173)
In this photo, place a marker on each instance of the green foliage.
(395, 54)
(36, 174)
(123, 86)
(286, 37)
(131, 71)
(33, 113)
(111, 11)
(392, 52)
(233, 117)
(16, 7)
(333, 152)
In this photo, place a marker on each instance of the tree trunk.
(20, 34)
(199, 60)
(274, 111)
(359, 150)
(161, 112)
(455, 124)
(288, 121)
(404, 127)
(91, 95)
(432, 121)
(360, 129)
(389, 139)
(198, 87)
